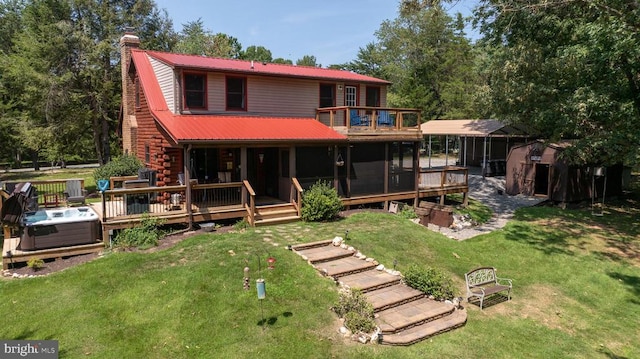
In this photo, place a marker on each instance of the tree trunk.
(34, 159)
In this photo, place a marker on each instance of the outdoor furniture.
(384, 118)
(50, 200)
(74, 192)
(356, 119)
(482, 282)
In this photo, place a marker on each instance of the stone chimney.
(128, 42)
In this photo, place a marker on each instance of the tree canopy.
(426, 55)
(194, 39)
(569, 68)
(61, 74)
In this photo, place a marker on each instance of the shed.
(481, 141)
(539, 169)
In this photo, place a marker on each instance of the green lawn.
(576, 289)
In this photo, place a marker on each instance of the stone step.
(426, 330)
(408, 315)
(276, 220)
(344, 266)
(301, 246)
(393, 296)
(369, 280)
(324, 254)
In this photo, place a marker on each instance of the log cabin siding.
(149, 134)
(164, 74)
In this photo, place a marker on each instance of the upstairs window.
(373, 96)
(195, 91)
(327, 95)
(237, 93)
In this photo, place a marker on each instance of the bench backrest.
(480, 276)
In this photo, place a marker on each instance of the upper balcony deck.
(372, 122)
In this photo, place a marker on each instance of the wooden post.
(187, 180)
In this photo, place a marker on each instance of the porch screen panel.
(313, 164)
(401, 173)
(367, 168)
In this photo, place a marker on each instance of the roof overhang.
(221, 129)
(471, 128)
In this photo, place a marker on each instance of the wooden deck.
(124, 208)
(11, 254)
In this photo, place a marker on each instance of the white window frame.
(350, 96)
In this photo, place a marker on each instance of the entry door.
(542, 179)
(263, 171)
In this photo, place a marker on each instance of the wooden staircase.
(276, 214)
(404, 315)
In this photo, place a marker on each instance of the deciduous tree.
(425, 54)
(569, 68)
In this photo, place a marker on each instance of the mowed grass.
(53, 174)
(576, 289)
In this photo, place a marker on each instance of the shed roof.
(471, 128)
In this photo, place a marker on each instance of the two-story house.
(267, 128)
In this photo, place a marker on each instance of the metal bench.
(483, 282)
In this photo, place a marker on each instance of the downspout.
(466, 147)
(429, 151)
(446, 151)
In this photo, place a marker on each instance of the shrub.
(430, 281)
(356, 311)
(119, 166)
(35, 264)
(241, 225)
(407, 212)
(320, 203)
(143, 236)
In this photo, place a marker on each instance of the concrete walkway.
(487, 191)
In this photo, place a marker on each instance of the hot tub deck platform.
(10, 253)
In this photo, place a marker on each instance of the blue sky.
(330, 30)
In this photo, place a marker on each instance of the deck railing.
(136, 202)
(51, 193)
(364, 117)
(296, 195)
(251, 206)
(443, 177)
(171, 200)
(216, 194)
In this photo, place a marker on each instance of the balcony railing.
(370, 118)
(443, 177)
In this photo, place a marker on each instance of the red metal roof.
(195, 128)
(256, 67)
(220, 128)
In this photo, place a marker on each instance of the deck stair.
(276, 214)
(404, 315)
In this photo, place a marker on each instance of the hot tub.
(58, 228)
